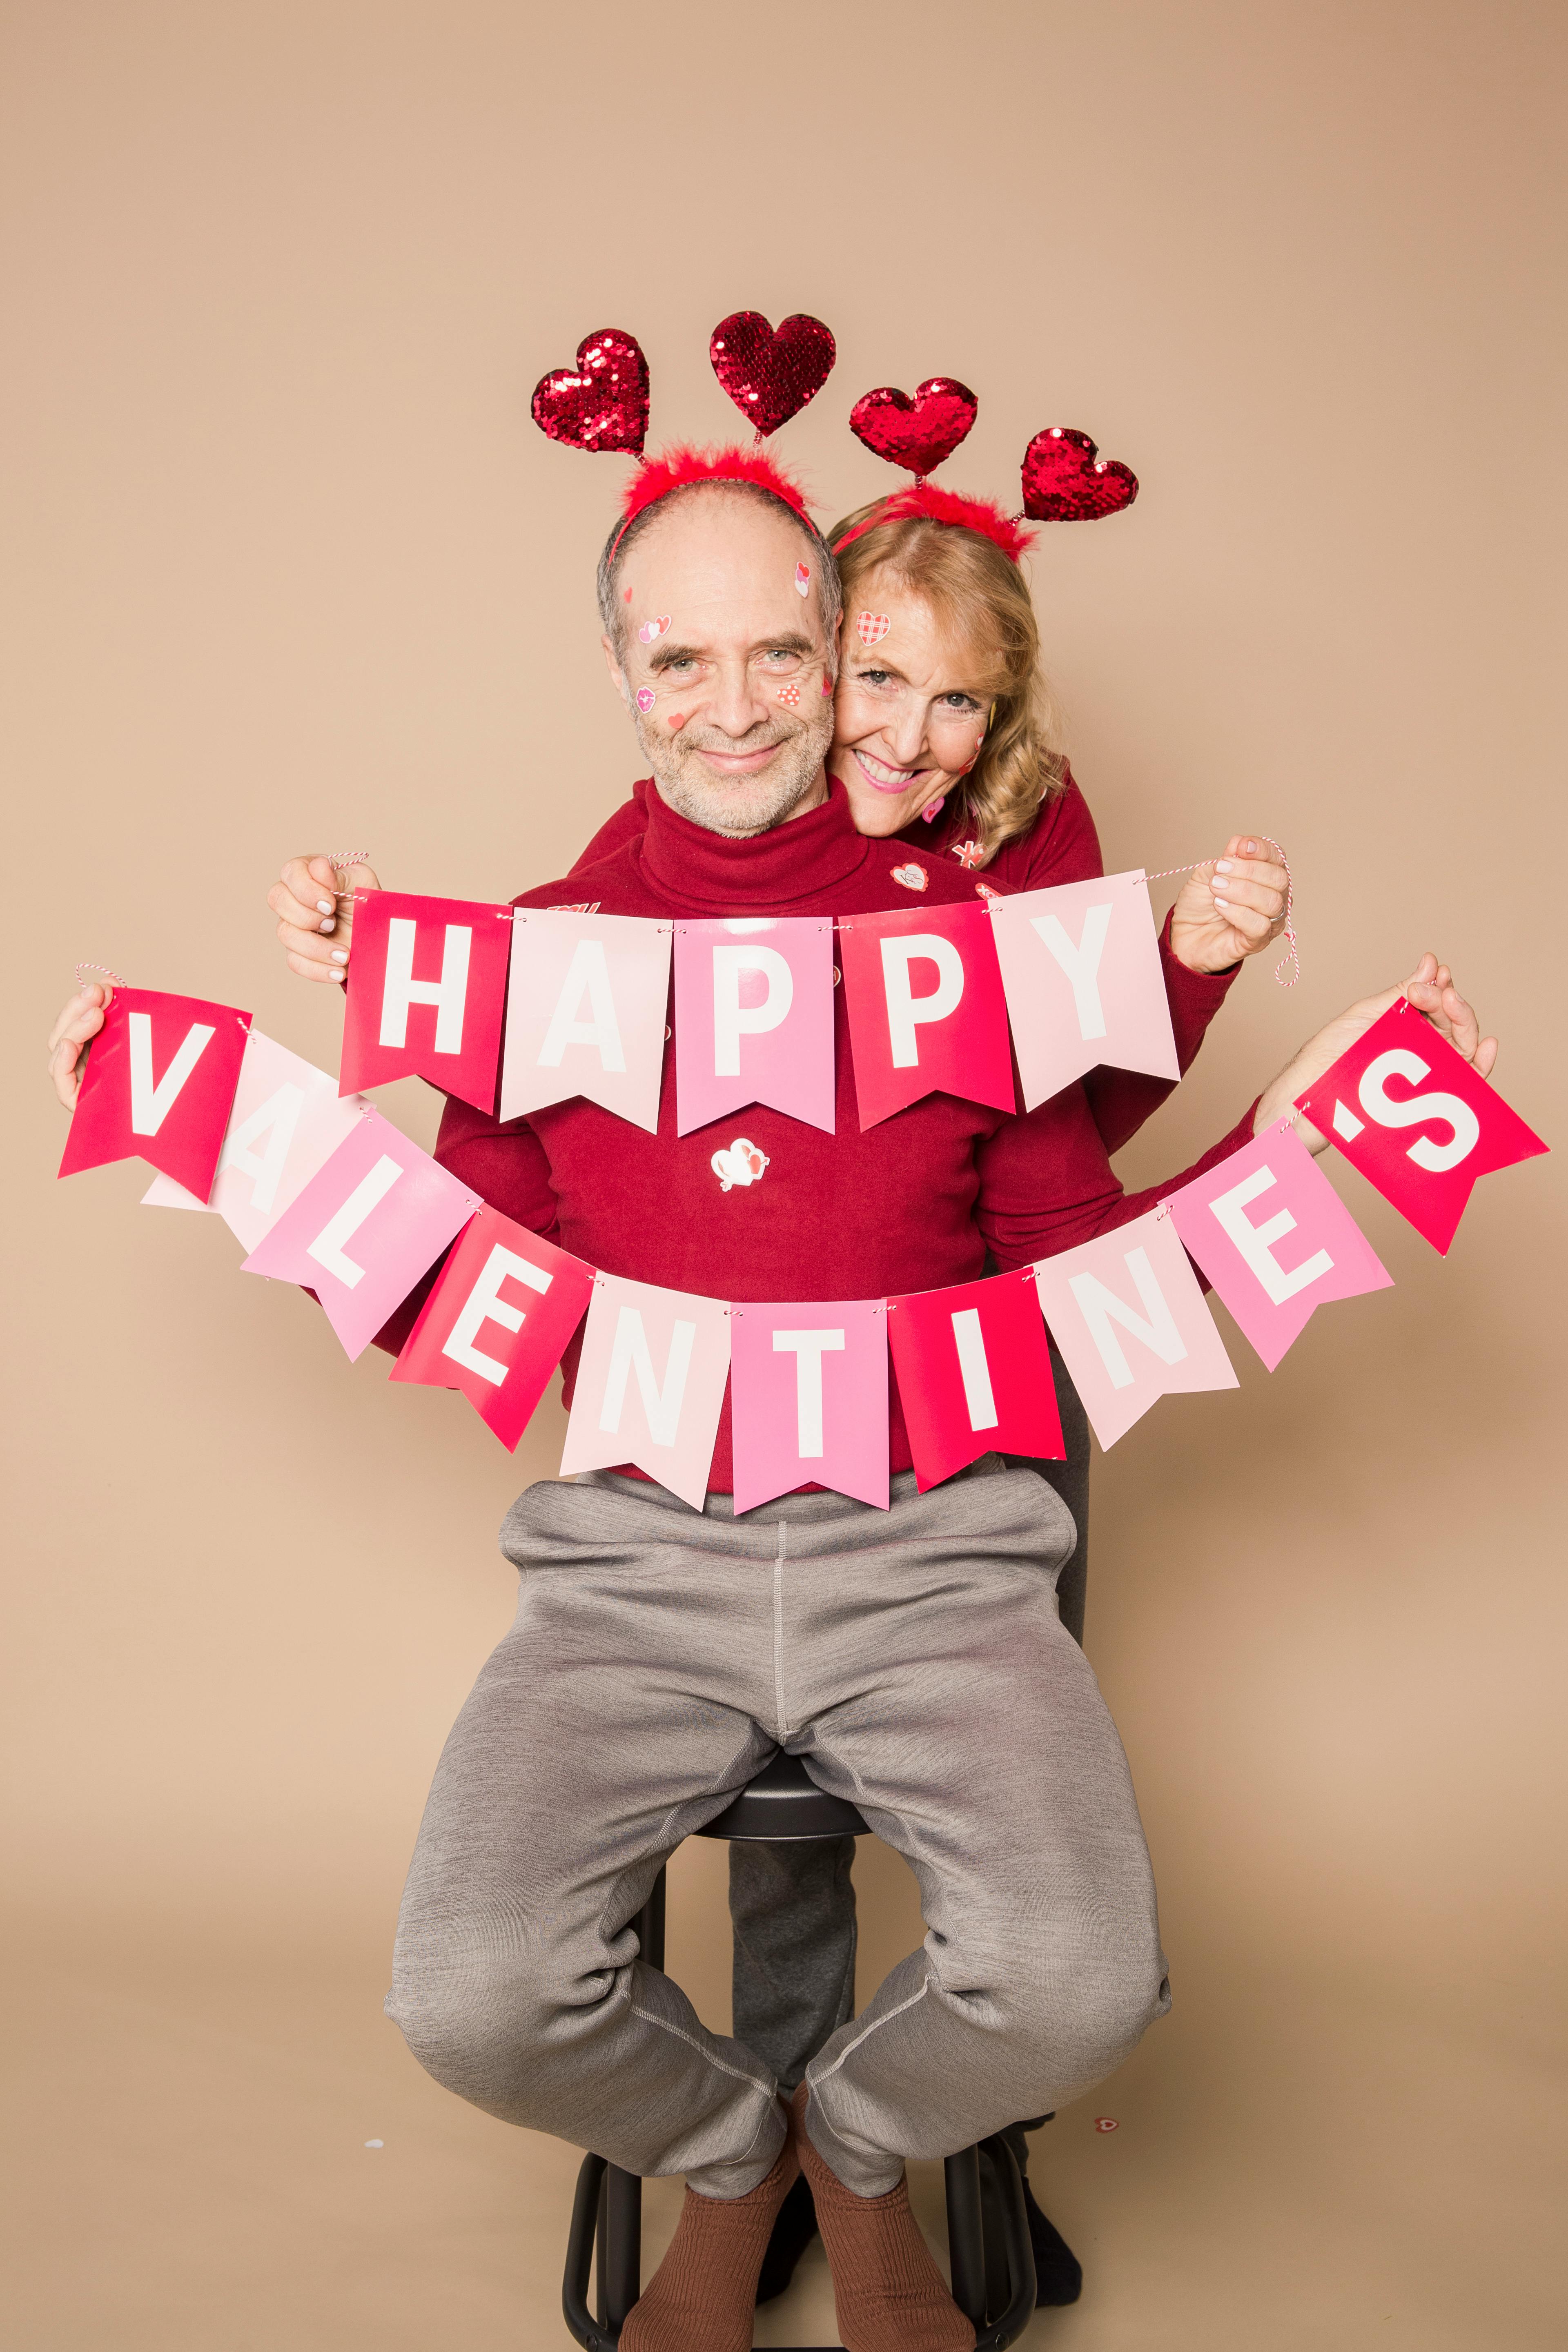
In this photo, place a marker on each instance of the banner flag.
(753, 1018)
(159, 1085)
(426, 983)
(504, 1305)
(287, 1121)
(650, 1384)
(1080, 964)
(808, 1399)
(1235, 1220)
(975, 1374)
(1127, 1313)
(926, 1010)
(364, 1229)
(1404, 1075)
(586, 1014)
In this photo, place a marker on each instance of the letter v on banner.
(503, 1309)
(426, 988)
(926, 1011)
(650, 1384)
(1080, 965)
(975, 1374)
(586, 1012)
(1127, 1313)
(159, 1085)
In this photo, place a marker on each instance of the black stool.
(992, 2259)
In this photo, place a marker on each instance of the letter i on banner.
(287, 1121)
(1129, 1316)
(586, 1012)
(1080, 964)
(159, 1085)
(425, 989)
(975, 1374)
(650, 1385)
(503, 1309)
(808, 1390)
(926, 1009)
(753, 1018)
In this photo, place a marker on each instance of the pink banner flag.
(808, 1399)
(287, 1121)
(753, 1018)
(1081, 968)
(926, 1009)
(586, 1012)
(159, 1085)
(364, 1229)
(1409, 1111)
(650, 1385)
(504, 1305)
(1274, 1239)
(1127, 1313)
(975, 1374)
(425, 989)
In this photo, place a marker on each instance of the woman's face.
(910, 710)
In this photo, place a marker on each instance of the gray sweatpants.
(915, 1659)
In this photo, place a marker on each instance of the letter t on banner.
(425, 989)
(808, 1396)
(159, 1085)
(1126, 1311)
(650, 1385)
(975, 1374)
(504, 1305)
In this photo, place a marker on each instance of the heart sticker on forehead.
(1067, 480)
(802, 578)
(646, 698)
(871, 627)
(651, 629)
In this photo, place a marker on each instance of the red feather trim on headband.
(933, 505)
(674, 468)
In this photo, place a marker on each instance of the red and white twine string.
(1288, 929)
(83, 968)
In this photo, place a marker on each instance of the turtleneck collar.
(802, 858)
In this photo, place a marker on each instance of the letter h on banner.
(975, 1374)
(444, 1024)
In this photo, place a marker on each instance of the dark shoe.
(792, 2233)
(1059, 2274)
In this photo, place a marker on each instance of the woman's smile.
(881, 775)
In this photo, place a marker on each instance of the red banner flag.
(1403, 1075)
(975, 1374)
(159, 1085)
(504, 1305)
(926, 1010)
(426, 991)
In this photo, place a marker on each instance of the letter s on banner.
(501, 1314)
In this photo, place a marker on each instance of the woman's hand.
(315, 919)
(1430, 989)
(1231, 907)
(78, 1024)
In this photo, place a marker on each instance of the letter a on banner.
(753, 1018)
(975, 1374)
(287, 1121)
(926, 1009)
(159, 1085)
(650, 1384)
(1409, 1111)
(504, 1305)
(426, 984)
(364, 1229)
(808, 1399)
(1274, 1239)
(585, 1014)
(1130, 1320)
(1080, 964)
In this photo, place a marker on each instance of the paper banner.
(426, 983)
(975, 1374)
(1274, 1239)
(365, 1228)
(1407, 1109)
(1126, 1311)
(159, 1085)
(586, 1014)
(753, 1018)
(650, 1385)
(1080, 965)
(287, 1121)
(926, 1009)
(504, 1305)
(808, 1399)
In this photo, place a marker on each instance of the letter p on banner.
(159, 1085)
(926, 1011)
(495, 1326)
(426, 991)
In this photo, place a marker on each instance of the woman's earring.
(932, 810)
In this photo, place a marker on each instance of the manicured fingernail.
(1225, 903)
(325, 907)
(330, 924)
(1223, 866)
(1247, 847)
(336, 973)
(340, 955)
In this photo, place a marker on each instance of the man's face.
(725, 666)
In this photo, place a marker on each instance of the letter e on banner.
(495, 1326)
(809, 1399)
(1080, 965)
(649, 1385)
(159, 1085)
(1127, 1313)
(975, 1374)
(926, 1010)
(426, 989)
(585, 1014)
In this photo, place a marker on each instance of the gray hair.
(610, 610)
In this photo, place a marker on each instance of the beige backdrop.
(288, 566)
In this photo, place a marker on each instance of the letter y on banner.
(426, 984)
(504, 1305)
(1126, 1311)
(159, 1085)
(585, 1014)
(650, 1384)
(1080, 964)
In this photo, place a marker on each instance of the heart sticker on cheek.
(871, 627)
(790, 693)
(802, 578)
(645, 699)
(651, 629)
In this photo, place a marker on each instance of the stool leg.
(602, 2253)
(965, 2234)
(622, 2273)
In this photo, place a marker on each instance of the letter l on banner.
(159, 1085)
(1127, 1313)
(650, 1384)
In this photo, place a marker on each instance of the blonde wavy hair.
(976, 589)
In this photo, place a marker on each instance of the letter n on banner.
(975, 1374)
(287, 1121)
(1128, 1315)
(426, 988)
(159, 1085)
(1409, 1111)
(926, 1011)
(650, 1384)
(753, 1018)
(504, 1305)
(1080, 964)
(586, 1011)
(808, 1394)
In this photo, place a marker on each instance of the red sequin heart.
(602, 403)
(919, 433)
(771, 374)
(1067, 480)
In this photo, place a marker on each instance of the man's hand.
(315, 919)
(1430, 989)
(78, 1024)
(1230, 907)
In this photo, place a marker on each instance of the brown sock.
(887, 2291)
(703, 2296)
